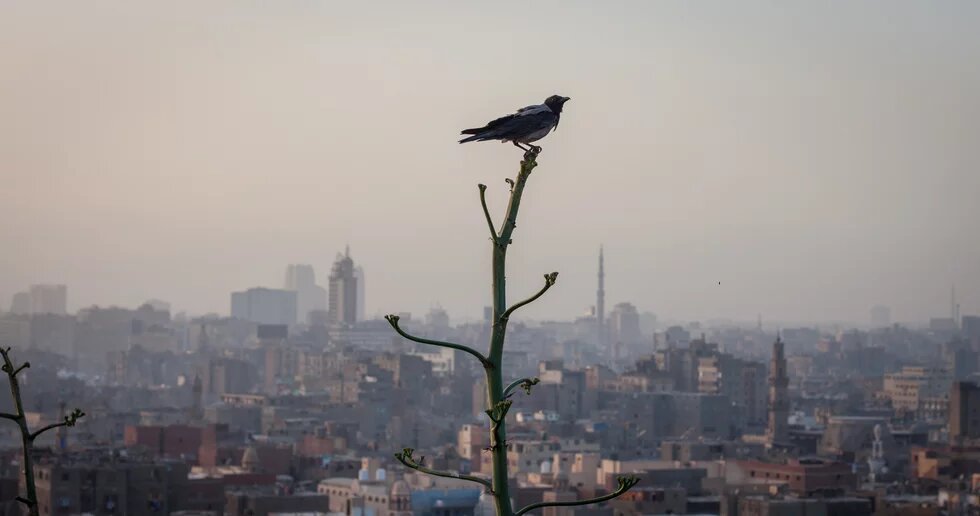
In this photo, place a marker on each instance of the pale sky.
(815, 159)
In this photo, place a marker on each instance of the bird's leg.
(519, 146)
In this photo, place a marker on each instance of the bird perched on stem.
(528, 124)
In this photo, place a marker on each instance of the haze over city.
(803, 162)
(250, 270)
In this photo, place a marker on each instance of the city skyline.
(251, 271)
(954, 310)
(807, 162)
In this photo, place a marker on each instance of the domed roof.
(250, 459)
(400, 488)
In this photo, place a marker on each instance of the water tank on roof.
(380, 475)
(546, 467)
(364, 475)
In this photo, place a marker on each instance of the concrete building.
(624, 324)
(803, 477)
(964, 412)
(49, 299)
(310, 297)
(20, 303)
(651, 500)
(762, 505)
(913, 385)
(265, 306)
(881, 316)
(369, 493)
(230, 375)
(271, 500)
(743, 381)
(108, 487)
(970, 327)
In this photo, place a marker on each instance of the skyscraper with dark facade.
(342, 305)
(964, 412)
(778, 429)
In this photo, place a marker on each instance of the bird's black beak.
(565, 99)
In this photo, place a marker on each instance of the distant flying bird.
(528, 124)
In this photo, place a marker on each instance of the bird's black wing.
(493, 124)
(520, 126)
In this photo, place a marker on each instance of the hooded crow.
(527, 125)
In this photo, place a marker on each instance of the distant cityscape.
(296, 401)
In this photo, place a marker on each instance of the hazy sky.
(815, 159)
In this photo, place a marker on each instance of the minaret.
(600, 303)
(777, 430)
(954, 307)
(876, 462)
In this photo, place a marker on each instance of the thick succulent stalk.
(496, 400)
(26, 436)
(498, 393)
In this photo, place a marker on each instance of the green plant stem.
(549, 281)
(495, 384)
(517, 383)
(444, 474)
(393, 321)
(623, 487)
(27, 442)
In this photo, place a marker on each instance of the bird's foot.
(532, 153)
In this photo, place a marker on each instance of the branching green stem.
(497, 394)
(549, 281)
(486, 212)
(70, 420)
(393, 321)
(26, 437)
(524, 383)
(625, 483)
(52, 426)
(406, 458)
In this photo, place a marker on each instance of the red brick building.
(804, 477)
(172, 441)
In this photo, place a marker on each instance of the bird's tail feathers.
(474, 138)
(475, 130)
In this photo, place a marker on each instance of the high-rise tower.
(342, 304)
(600, 303)
(778, 429)
(954, 308)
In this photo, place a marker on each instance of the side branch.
(524, 383)
(486, 212)
(393, 321)
(5, 415)
(549, 281)
(52, 426)
(406, 458)
(625, 483)
(70, 420)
